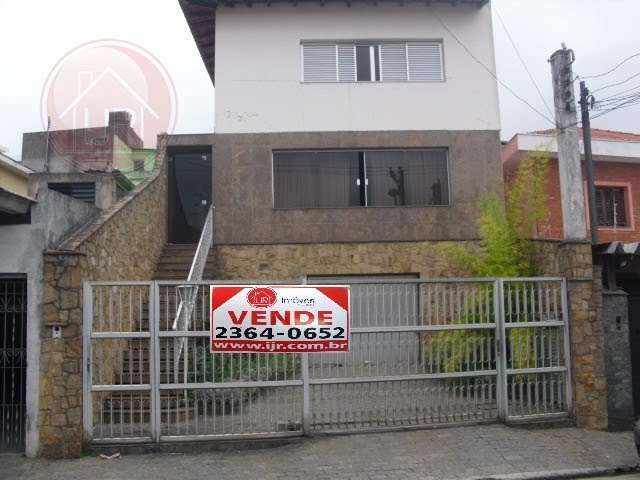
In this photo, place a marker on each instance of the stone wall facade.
(123, 243)
(574, 262)
(294, 261)
(244, 198)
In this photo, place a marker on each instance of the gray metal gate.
(422, 353)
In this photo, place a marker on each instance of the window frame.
(628, 199)
(374, 43)
(449, 196)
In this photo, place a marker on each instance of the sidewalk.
(452, 453)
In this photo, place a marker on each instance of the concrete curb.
(564, 474)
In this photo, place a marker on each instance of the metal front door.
(13, 363)
(190, 180)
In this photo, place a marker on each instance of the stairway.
(175, 262)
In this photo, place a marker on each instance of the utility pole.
(585, 103)
(569, 162)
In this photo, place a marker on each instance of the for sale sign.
(284, 319)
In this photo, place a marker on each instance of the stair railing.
(189, 293)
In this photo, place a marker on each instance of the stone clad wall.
(123, 243)
(293, 261)
(574, 262)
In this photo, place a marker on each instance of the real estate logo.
(262, 297)
(105, 76)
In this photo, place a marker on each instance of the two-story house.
(351, 139)
(348, 135)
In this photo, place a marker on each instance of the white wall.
(609, 150)
(258, 70)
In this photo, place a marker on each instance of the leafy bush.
(506, 250)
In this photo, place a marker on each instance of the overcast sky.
(34, 35)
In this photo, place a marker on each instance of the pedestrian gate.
(13, 363)
(422, 353)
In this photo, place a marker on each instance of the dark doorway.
(189, 193)
(632, 286)
(13, 363)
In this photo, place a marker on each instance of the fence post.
(501, 351)
(87, 326)
(306, 393)
(306, 399)
(154, 359)
(567, 347)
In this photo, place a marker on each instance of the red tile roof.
(599, 134)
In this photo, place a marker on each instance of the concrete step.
(175, 262)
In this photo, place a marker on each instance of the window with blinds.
(611, 207)
(360, 178)
(413, 61)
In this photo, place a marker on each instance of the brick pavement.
(450, 453)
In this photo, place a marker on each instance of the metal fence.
(422, 353)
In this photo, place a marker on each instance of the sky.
(35, 35)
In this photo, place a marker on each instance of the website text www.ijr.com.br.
(281, 347)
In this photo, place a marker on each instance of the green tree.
(506, 228)
(506, 250)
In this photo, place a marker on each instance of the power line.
(490, 72)
(635, 96)
(637, 87)
(631, 57)
(611, 85)
(627, 104)
(513, 44)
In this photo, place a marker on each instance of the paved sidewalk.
(452, 453)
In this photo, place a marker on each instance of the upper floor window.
(369, 178)
(611, 207)
(397, 61)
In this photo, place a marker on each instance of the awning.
(618, 248)
(13, 203)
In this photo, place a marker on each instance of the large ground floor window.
(360, 178)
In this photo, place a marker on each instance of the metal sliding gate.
(422, 353)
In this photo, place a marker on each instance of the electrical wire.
(631, 57)
(513, 44)
(637, 87)
(611, 85)
(491, 72)
(627, 104)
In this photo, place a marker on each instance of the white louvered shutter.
(393, 62)
(346, 62)
(319, 62)
(425, 62)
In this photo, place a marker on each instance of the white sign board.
(284, 319)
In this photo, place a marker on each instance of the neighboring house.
(616, 170)
(14, 190)
(616, 158)
(33, 218)
(95, 164)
